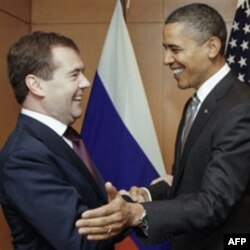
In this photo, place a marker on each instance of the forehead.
(66, 57)
(178, 32)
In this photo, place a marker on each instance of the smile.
(77, 98)
(177, 71)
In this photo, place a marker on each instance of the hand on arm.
(139, 194)
(109, 220)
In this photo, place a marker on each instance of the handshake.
(111, 219)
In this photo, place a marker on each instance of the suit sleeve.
(223, 183)
(45, 199)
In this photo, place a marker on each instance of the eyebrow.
(80, 69)
(170, 46)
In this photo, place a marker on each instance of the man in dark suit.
(209, 195)
(44, 184)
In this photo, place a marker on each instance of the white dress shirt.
(49, 121)
(210, 84)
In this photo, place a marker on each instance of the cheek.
(195, 64)
(69, 93)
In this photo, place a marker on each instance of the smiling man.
(45, 185)
(210, 193)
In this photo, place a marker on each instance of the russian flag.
(118, 129)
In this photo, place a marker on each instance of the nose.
(168, 57)
(84, 82)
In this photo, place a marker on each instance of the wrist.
(143, 223)
(135, 213)
(138, 217)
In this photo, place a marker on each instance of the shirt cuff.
(148, 194)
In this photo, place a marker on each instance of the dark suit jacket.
(44, 187)
(210, 195)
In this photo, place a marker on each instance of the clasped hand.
(109, 220)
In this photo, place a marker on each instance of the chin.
(77, 111)
(183, 86)
(77, 115)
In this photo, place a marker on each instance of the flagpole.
(123, 2)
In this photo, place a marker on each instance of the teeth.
(77, 98)
(177, 71)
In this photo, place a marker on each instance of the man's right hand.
(109, 220)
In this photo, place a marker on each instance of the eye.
(176, 50)
(173, 49)
(74, 74)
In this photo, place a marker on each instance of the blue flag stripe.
(133, 167)
(118, 129)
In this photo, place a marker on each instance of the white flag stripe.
(126, 90)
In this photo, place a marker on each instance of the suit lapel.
(207, 108)
(205, 112)
(60, 148)
(179, 137)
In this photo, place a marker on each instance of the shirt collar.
(208, 85)
(49, 121)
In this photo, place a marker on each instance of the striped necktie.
(190, 115)
(80, 149)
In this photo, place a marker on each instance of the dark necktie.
(190, 115)
(80, 149)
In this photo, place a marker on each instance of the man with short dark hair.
(209, 195)
(44, 184)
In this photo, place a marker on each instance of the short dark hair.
(31, 54)
(202, 18)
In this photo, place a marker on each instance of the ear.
(35, 85)
(214, 46)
